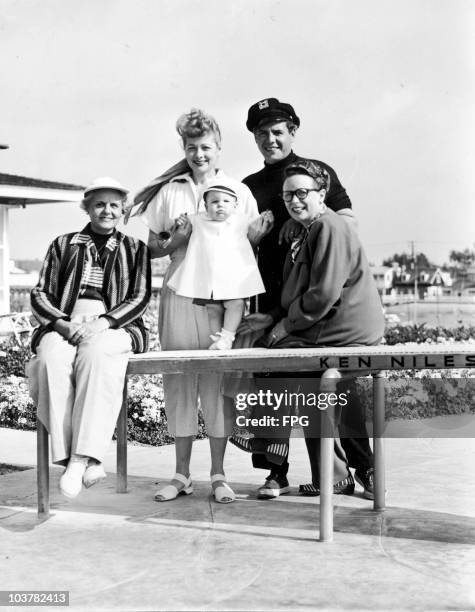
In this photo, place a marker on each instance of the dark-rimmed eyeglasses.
(301, 194)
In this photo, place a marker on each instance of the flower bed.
(13, 359)
(145, 410)
(419, 394)
(17, 409)
(396, 334)
(409, 394)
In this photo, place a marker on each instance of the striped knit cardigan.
(126, 288)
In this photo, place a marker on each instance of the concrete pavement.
(127, 552)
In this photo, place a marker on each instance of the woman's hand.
(181, 220)
(277, 333)
(290, 231)
(260, 227)
(183, 226)
(89, 329)
(165, 243)
(255, 322)
(67, 329)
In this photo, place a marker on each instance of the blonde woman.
(183, 324)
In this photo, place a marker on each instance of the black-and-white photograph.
(237, 305)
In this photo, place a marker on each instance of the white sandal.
(170, 492)
(222, 494)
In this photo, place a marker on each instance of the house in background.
(400, 282)
(440, 284)
(20, 192)
(21, 283)
(383, 276)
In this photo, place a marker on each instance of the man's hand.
(290, 231)
(260, 227)
(255, 322)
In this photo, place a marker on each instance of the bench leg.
(122, 444)
(378, 442)
(326, 488)
(42, 461)
(327, 449)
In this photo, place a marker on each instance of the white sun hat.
(105, 182)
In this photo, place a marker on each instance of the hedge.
(409, 394)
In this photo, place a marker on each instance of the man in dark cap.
(274, 125)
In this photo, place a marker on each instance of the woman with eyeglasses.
(329, 297)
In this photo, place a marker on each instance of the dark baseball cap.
(270, 109)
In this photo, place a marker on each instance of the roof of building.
(25, 181)
(23, 191)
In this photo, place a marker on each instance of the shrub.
(146, 412)
(13, 358)
(419, 394)
(151, 322)
(397, 334)
(17, 409)
(409, 393)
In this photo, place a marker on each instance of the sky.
(384, 90)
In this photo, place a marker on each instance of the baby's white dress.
(219, 263)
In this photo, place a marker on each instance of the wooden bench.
(332, 362)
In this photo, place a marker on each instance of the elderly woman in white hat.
(93, 289)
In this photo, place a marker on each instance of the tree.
(462, 259)
(460, 262)
(406, 259)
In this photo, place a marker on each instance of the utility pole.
(414, 260)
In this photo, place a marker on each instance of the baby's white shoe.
(222, 341)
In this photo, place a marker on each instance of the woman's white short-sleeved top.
(219, 263)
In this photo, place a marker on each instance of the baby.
(219, 269)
